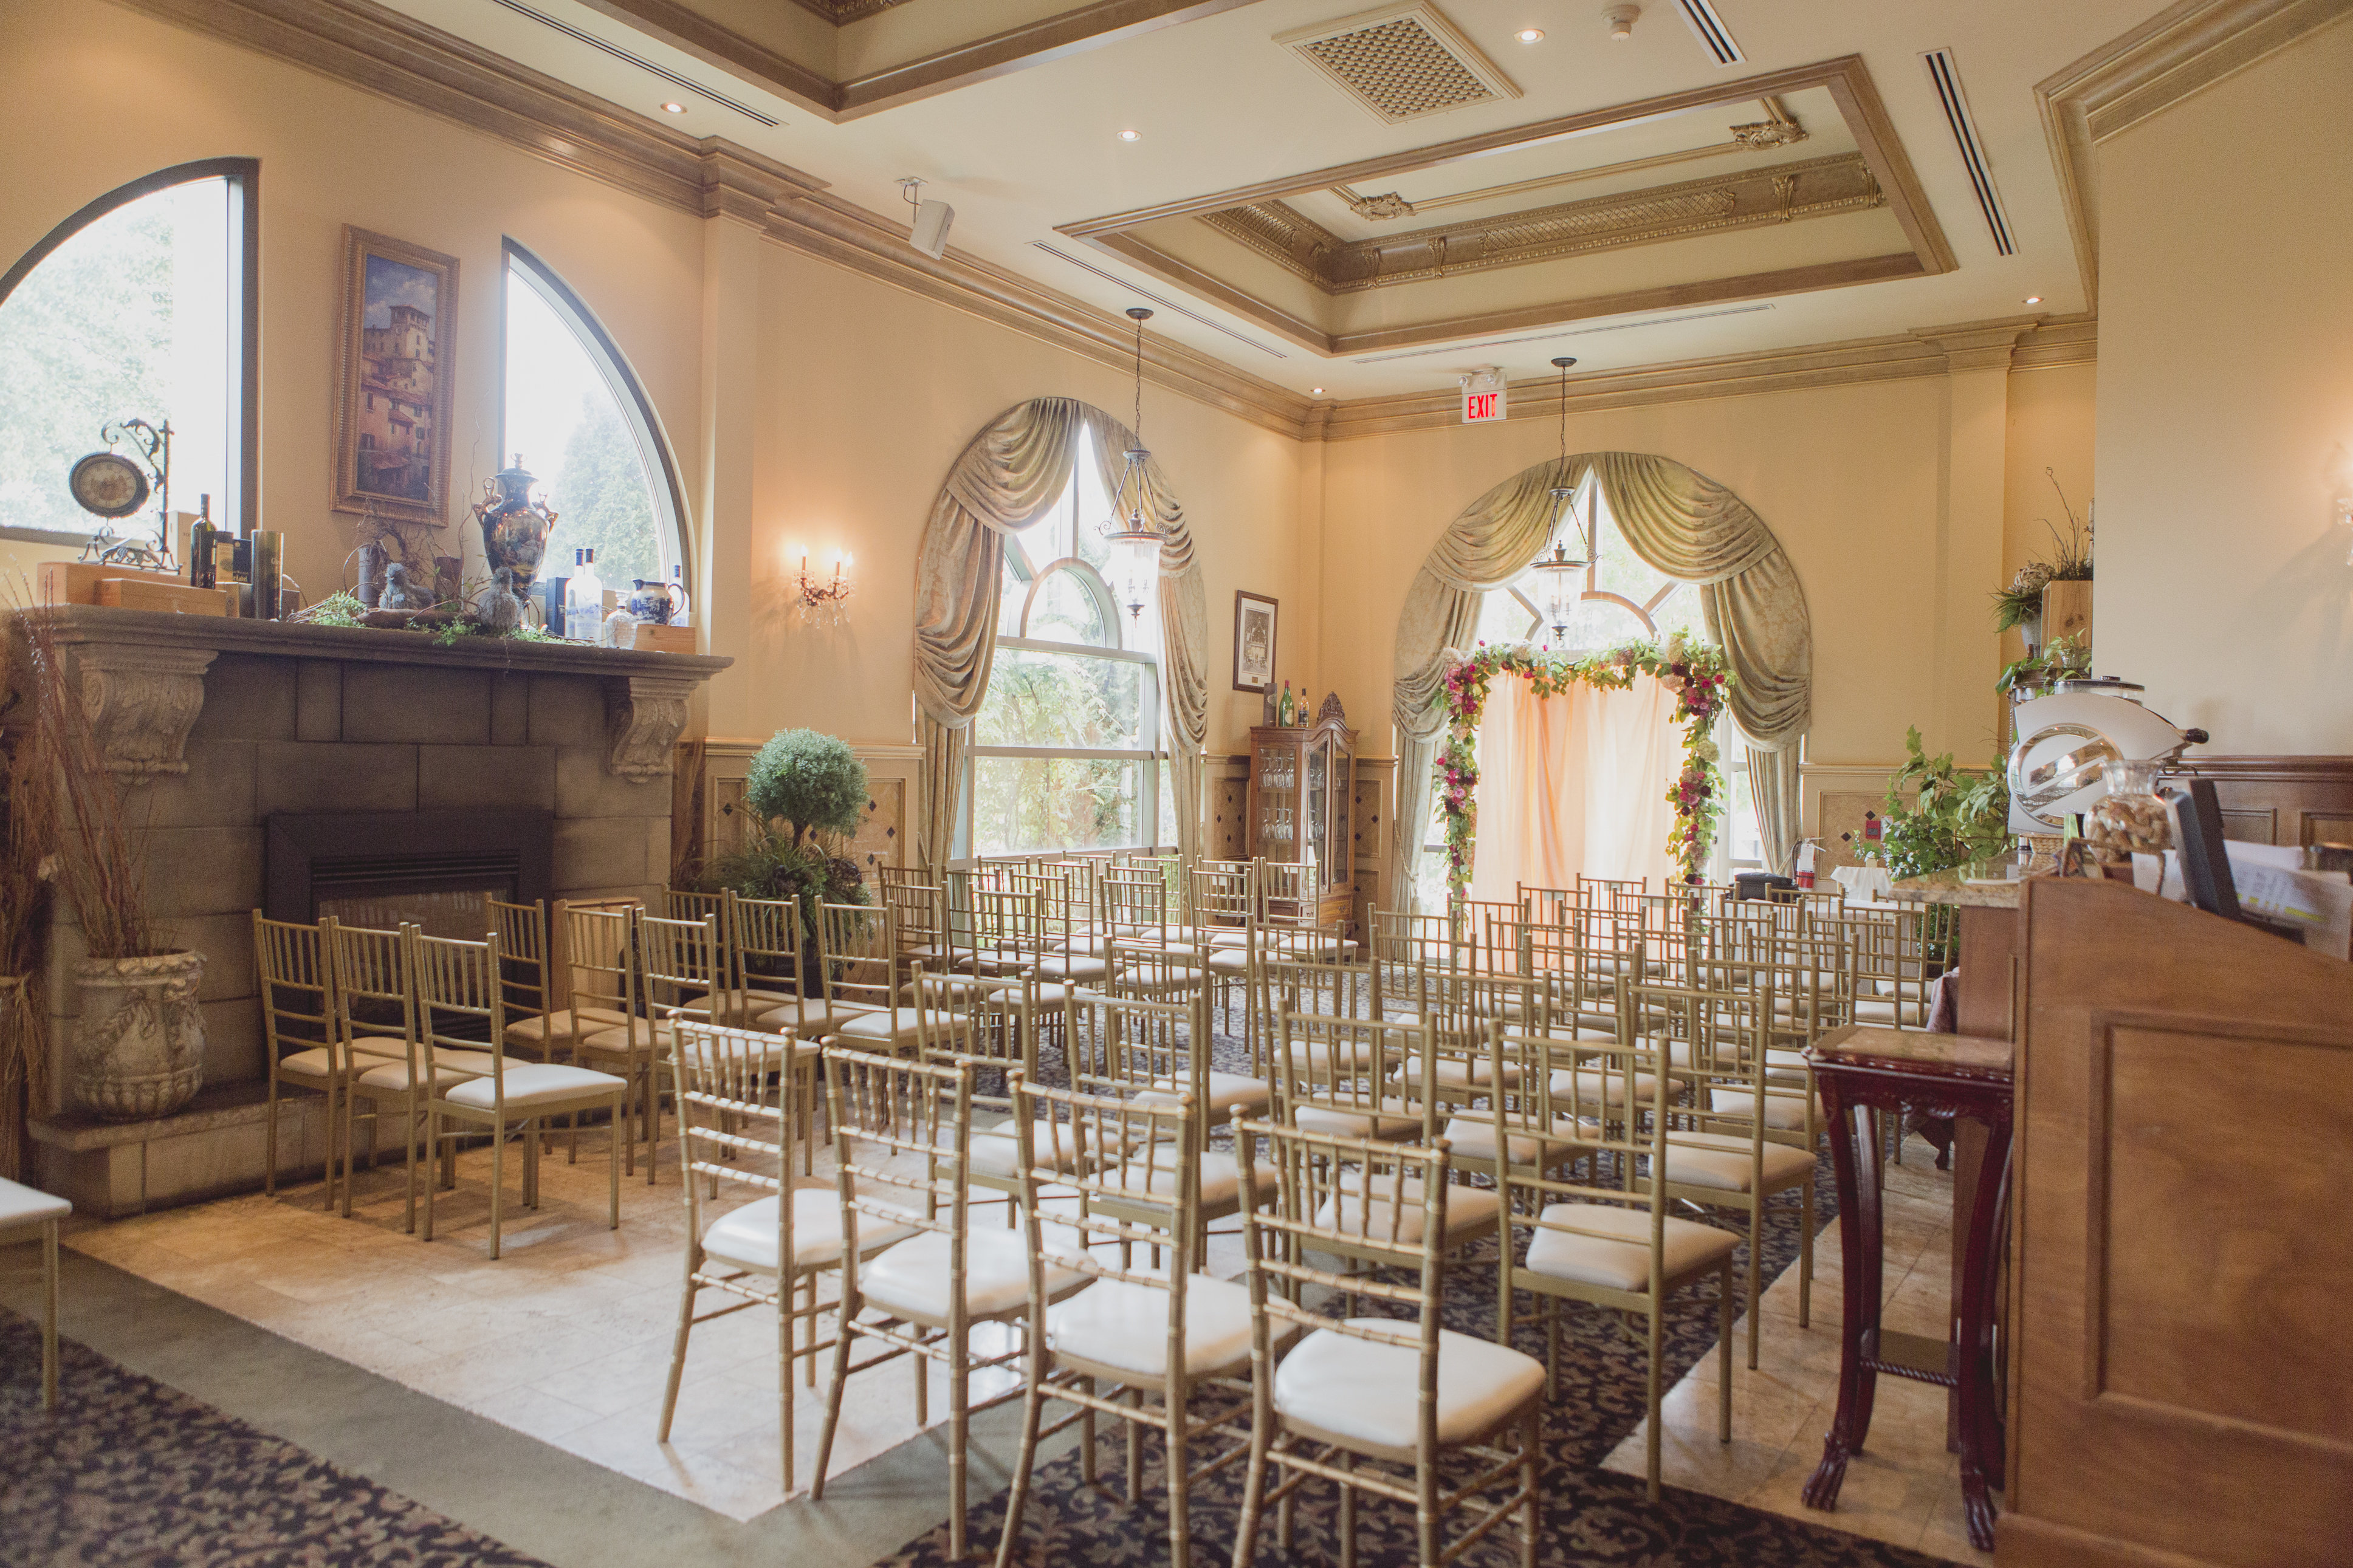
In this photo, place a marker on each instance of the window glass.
(128, 319)
(1066, 699)
(1025, 805)
(1503, 618)
(1065, 609)
(566, 422)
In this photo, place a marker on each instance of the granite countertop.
(1950, 887)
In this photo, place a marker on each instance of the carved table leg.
(1980, 1437)
(1854, 1157)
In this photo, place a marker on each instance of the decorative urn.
(514, 527)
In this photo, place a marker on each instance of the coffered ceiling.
(1352, 202)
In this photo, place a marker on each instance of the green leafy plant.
(1956, 816)
(2069, 658)
(342, 609)
(808, 781)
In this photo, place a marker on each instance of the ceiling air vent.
(1945, 74)
(1713, 35)
(1401, 62)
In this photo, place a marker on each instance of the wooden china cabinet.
(1301, 783)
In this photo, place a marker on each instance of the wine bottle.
(200, 545)
(1289, 713)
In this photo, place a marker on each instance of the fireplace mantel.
(142, 675)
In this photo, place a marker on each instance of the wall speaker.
(931, 221)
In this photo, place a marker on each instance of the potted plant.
(2051, 599)
(807, 791)
(139, 1041)
(1956, 817)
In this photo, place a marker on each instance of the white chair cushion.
(1333, 1123)
(1118, 1323)
(530, 1084)
(1722, 1160)
(640, 1034)
(1783, 1112)
(1227, 1091)
(1370, 1393)
(1080, 967)
(1619, 1256)
(1221, 1175)
(911, 1280)
(746, 1237)
(768, 1053)
(314, 1063)
(393, 1075)
(1591, 1084)
(900, 1025)
(1473, 1138)
(1228, 961)
(807, 1015)
(21, 1205)
(1468, 1211)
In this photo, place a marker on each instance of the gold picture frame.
(395, 367)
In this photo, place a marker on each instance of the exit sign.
(1485, 397)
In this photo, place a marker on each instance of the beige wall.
(1853, 480)
(2226, 398)
(804, 403)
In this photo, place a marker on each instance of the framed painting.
(394, 380)
(1254, 648)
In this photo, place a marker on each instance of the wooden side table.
(1861, 1069)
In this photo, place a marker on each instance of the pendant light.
(1130, 530)
(1559, 566)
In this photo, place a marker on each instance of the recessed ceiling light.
(674, 108)
(1131, 135)
(1530, 35)
(1319, 392)
(2034, 298)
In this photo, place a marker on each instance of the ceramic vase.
(138, 1045)
(514, 527)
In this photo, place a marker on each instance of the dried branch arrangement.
(97, 866)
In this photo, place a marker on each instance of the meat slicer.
(2065, 739)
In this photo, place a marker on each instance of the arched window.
(1066, 750)
(576, 416)
(139, 306)
(1622, 598)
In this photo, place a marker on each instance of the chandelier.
(1559, 566)
(1130, 530)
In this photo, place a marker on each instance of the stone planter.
(138, 1045)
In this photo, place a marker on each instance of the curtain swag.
(1680, 523)
(1012, 471)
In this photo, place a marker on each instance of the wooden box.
(76, 582)
(664, 639)
(170, 597)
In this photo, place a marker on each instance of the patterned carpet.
(131, 1472)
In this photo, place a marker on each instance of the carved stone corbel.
(646, 713)
(142, 700)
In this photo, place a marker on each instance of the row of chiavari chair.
(1578, 1069)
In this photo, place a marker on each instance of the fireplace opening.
(435, 869)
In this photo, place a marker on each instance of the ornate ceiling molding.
(1744, 199)
(2156, 65)
(2065, 341)
(1260, 216)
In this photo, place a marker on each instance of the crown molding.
(2166, 58)
(1926, 352)
(379, 50)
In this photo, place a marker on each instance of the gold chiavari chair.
(920, 926)
(1132, 906)
(782, 992)
(863, 964)
(1613, 1245)
(1549, 906)
(1725, 1156)
(379, 1031)
(1065, 920)
(986, 1022)
(677, 967)
(1140, 1342)
(536, 1025)
(1357, 1078)
(1616, 894)
(902, 1132)
(302, 1046)
(737, 1119)
(456, 989)
(1377, 1403)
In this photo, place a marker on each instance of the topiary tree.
(808, 781)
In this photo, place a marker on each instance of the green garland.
(1695, 672)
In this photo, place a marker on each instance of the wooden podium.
(2181, 1253)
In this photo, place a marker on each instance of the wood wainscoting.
(2279, 800)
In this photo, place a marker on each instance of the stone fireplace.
(248, 745)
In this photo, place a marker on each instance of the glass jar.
(2129, 819)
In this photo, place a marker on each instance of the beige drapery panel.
(1679, 521)
(1012, 471)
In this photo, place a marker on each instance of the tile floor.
(1906, 1490)
(566, 1339)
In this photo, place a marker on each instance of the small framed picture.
(392, 412)
(1253, 642)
